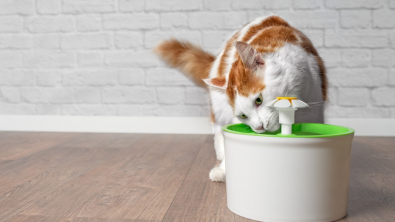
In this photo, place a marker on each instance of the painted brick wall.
(93, 57)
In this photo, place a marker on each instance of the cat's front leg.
(219, 142)
(218, 173)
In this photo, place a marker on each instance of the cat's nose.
(259, 128)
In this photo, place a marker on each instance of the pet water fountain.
(298, 173)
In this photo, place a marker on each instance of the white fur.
(290, 71)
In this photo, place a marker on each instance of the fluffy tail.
(190, 59)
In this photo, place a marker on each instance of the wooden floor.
(141, 177)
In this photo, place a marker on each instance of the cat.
(266, 59)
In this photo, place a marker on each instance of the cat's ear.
(250, 57)
(218, 83)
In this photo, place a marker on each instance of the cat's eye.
(243, 116)
(258, 101)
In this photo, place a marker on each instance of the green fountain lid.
(299, 130)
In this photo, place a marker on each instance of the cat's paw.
(217, 174)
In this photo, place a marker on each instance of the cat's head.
(245, 89)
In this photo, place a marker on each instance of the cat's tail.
(190, 59)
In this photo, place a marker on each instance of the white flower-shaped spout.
(287, 107)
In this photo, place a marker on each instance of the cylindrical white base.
(286, 115)
(287, 179)
(286, 129)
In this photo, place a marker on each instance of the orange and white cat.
(267, 58)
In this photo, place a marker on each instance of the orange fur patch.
(268, 22)
(229, 45)
(219, 81)
(190, 59)
(244, 81)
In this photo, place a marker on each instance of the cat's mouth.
(259, 129)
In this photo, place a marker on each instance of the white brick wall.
(94, 57)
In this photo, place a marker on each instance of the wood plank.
(199, 199)
(14, 146)
(139, 187)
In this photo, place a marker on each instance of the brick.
(48, 59)
(383, 19)
(392, 38)
(131, 59)
(383, 97)
(355, 18)
(131, 5)
(90, 59)
(18, 109)
(22, 7)
(177, 110)
(261, 4)
(86, 41)
(312, 19)
(331, 57)
(171, 95)
(46, 41)
(131, 77)
(61, 95)
(315, 36)
(87, 95)
(17, 78)
(166, 77)
(172, 5)
(89, 110)
(11, 24)
(346, 4)
(15, 41)
(130, 110)
(48, 6)
(89, 77)
(47, 24)
(135, 94)
(391, 79)
(357, 77)
(48, 78)
(332, 95)
(356, 38)
(307, 4)
(48, 109)
(219, 5)
(153, 38)
(217, 20)
(136, 21)
(10, 94)
(173, 20)
(355, 57)
(353, 112)
(383, 57)
(128, 40)
(215, 39)
(353, 96)
(47, 95)
(35, 95)
(205, 20)
(10, 59)
(97, 6)
(88, 23)
(196, 95)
